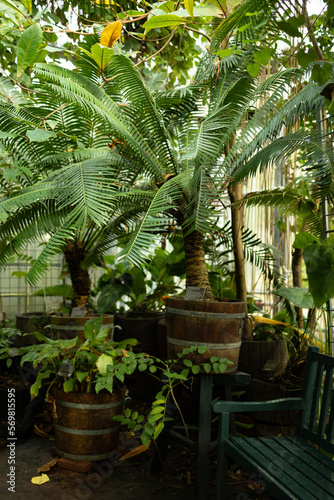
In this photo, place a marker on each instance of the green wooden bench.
(287, 467)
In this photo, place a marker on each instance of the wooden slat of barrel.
(84, 429)
(215, 324)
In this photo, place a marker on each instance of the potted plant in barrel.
(87, 386)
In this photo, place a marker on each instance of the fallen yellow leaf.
(134, 452)
(40, 479)
(47, 466)
(111, 34)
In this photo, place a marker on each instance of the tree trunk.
(196, 271)
(235, 194)
(74, 256)
(297, 260)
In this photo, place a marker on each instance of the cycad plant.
(172, 155)
(51, 149)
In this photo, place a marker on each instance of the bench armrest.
(275, 404)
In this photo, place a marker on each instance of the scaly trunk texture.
(74, 256)
(235, 194)
(196, 271)
(297, 260)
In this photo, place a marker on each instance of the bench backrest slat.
(316, 397)
(317, 420)
(326, 399)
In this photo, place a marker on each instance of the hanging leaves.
(27, 47)
(111, 34)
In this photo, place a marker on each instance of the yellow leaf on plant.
(44, 478)
(111, 34)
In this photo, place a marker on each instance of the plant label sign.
(270, 365)
(78, 312)
(195, 293)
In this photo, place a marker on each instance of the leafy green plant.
(100, 364)
(90, 367)
(172, 373)
(8, 350)
(139, 288)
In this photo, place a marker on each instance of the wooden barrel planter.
(215, 324)
(67, 327)
(33, 322)
(263, 359)
(140, 326)
(84, 429)
(144, 328)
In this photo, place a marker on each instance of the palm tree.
(187, 147)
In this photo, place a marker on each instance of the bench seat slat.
(300, 455)
(287, 469)
(250, 465)
(315, 457)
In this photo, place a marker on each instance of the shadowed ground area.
(129, 479)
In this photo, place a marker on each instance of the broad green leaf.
(40, 135)
(167, 20)
(81, 375)
(330, 9)
(253, 69)
(244, 27)
(262, 56)
(27, 47)
(12, 6)
(167, 7)
(68, 386)
(10, 174)
(298, 296)
(6, 135)
(103, 362)
(27, 4)
(319, 261)
(207, 367)
(296, 22)
(304, 239)
(200, 11)
(145, 439)
(304, 59)
(158, 429)
(56, 291)
(321, 73)
(92, 327)
(189, 5)
(26, 170)
(101, 55)
(224, 52)
(289, 29)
